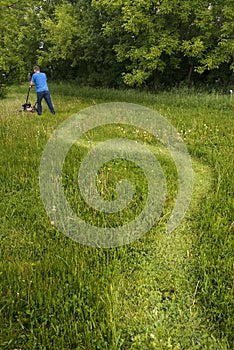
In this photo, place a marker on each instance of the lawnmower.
(27, 107)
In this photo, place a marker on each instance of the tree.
(111, 42)
(21, 36)
(169, 35)
(19, 39)
(75, 45)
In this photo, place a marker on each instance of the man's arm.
(32, 82)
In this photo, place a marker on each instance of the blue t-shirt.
(40, 81)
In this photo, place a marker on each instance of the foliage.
(19, 40)
(77, 47)
(111, 43)
(156, 37)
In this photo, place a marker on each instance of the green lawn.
(163, 291)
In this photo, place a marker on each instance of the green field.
(163, 291)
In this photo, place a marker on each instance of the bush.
(3, 90)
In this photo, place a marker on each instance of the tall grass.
(160, 292)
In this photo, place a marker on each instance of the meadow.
(162, 291)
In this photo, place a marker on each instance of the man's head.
(36, 69)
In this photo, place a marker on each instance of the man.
(39, 79)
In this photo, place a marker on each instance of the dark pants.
(46, 96)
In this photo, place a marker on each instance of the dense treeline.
(119, 42)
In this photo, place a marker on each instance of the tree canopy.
(145, 43)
